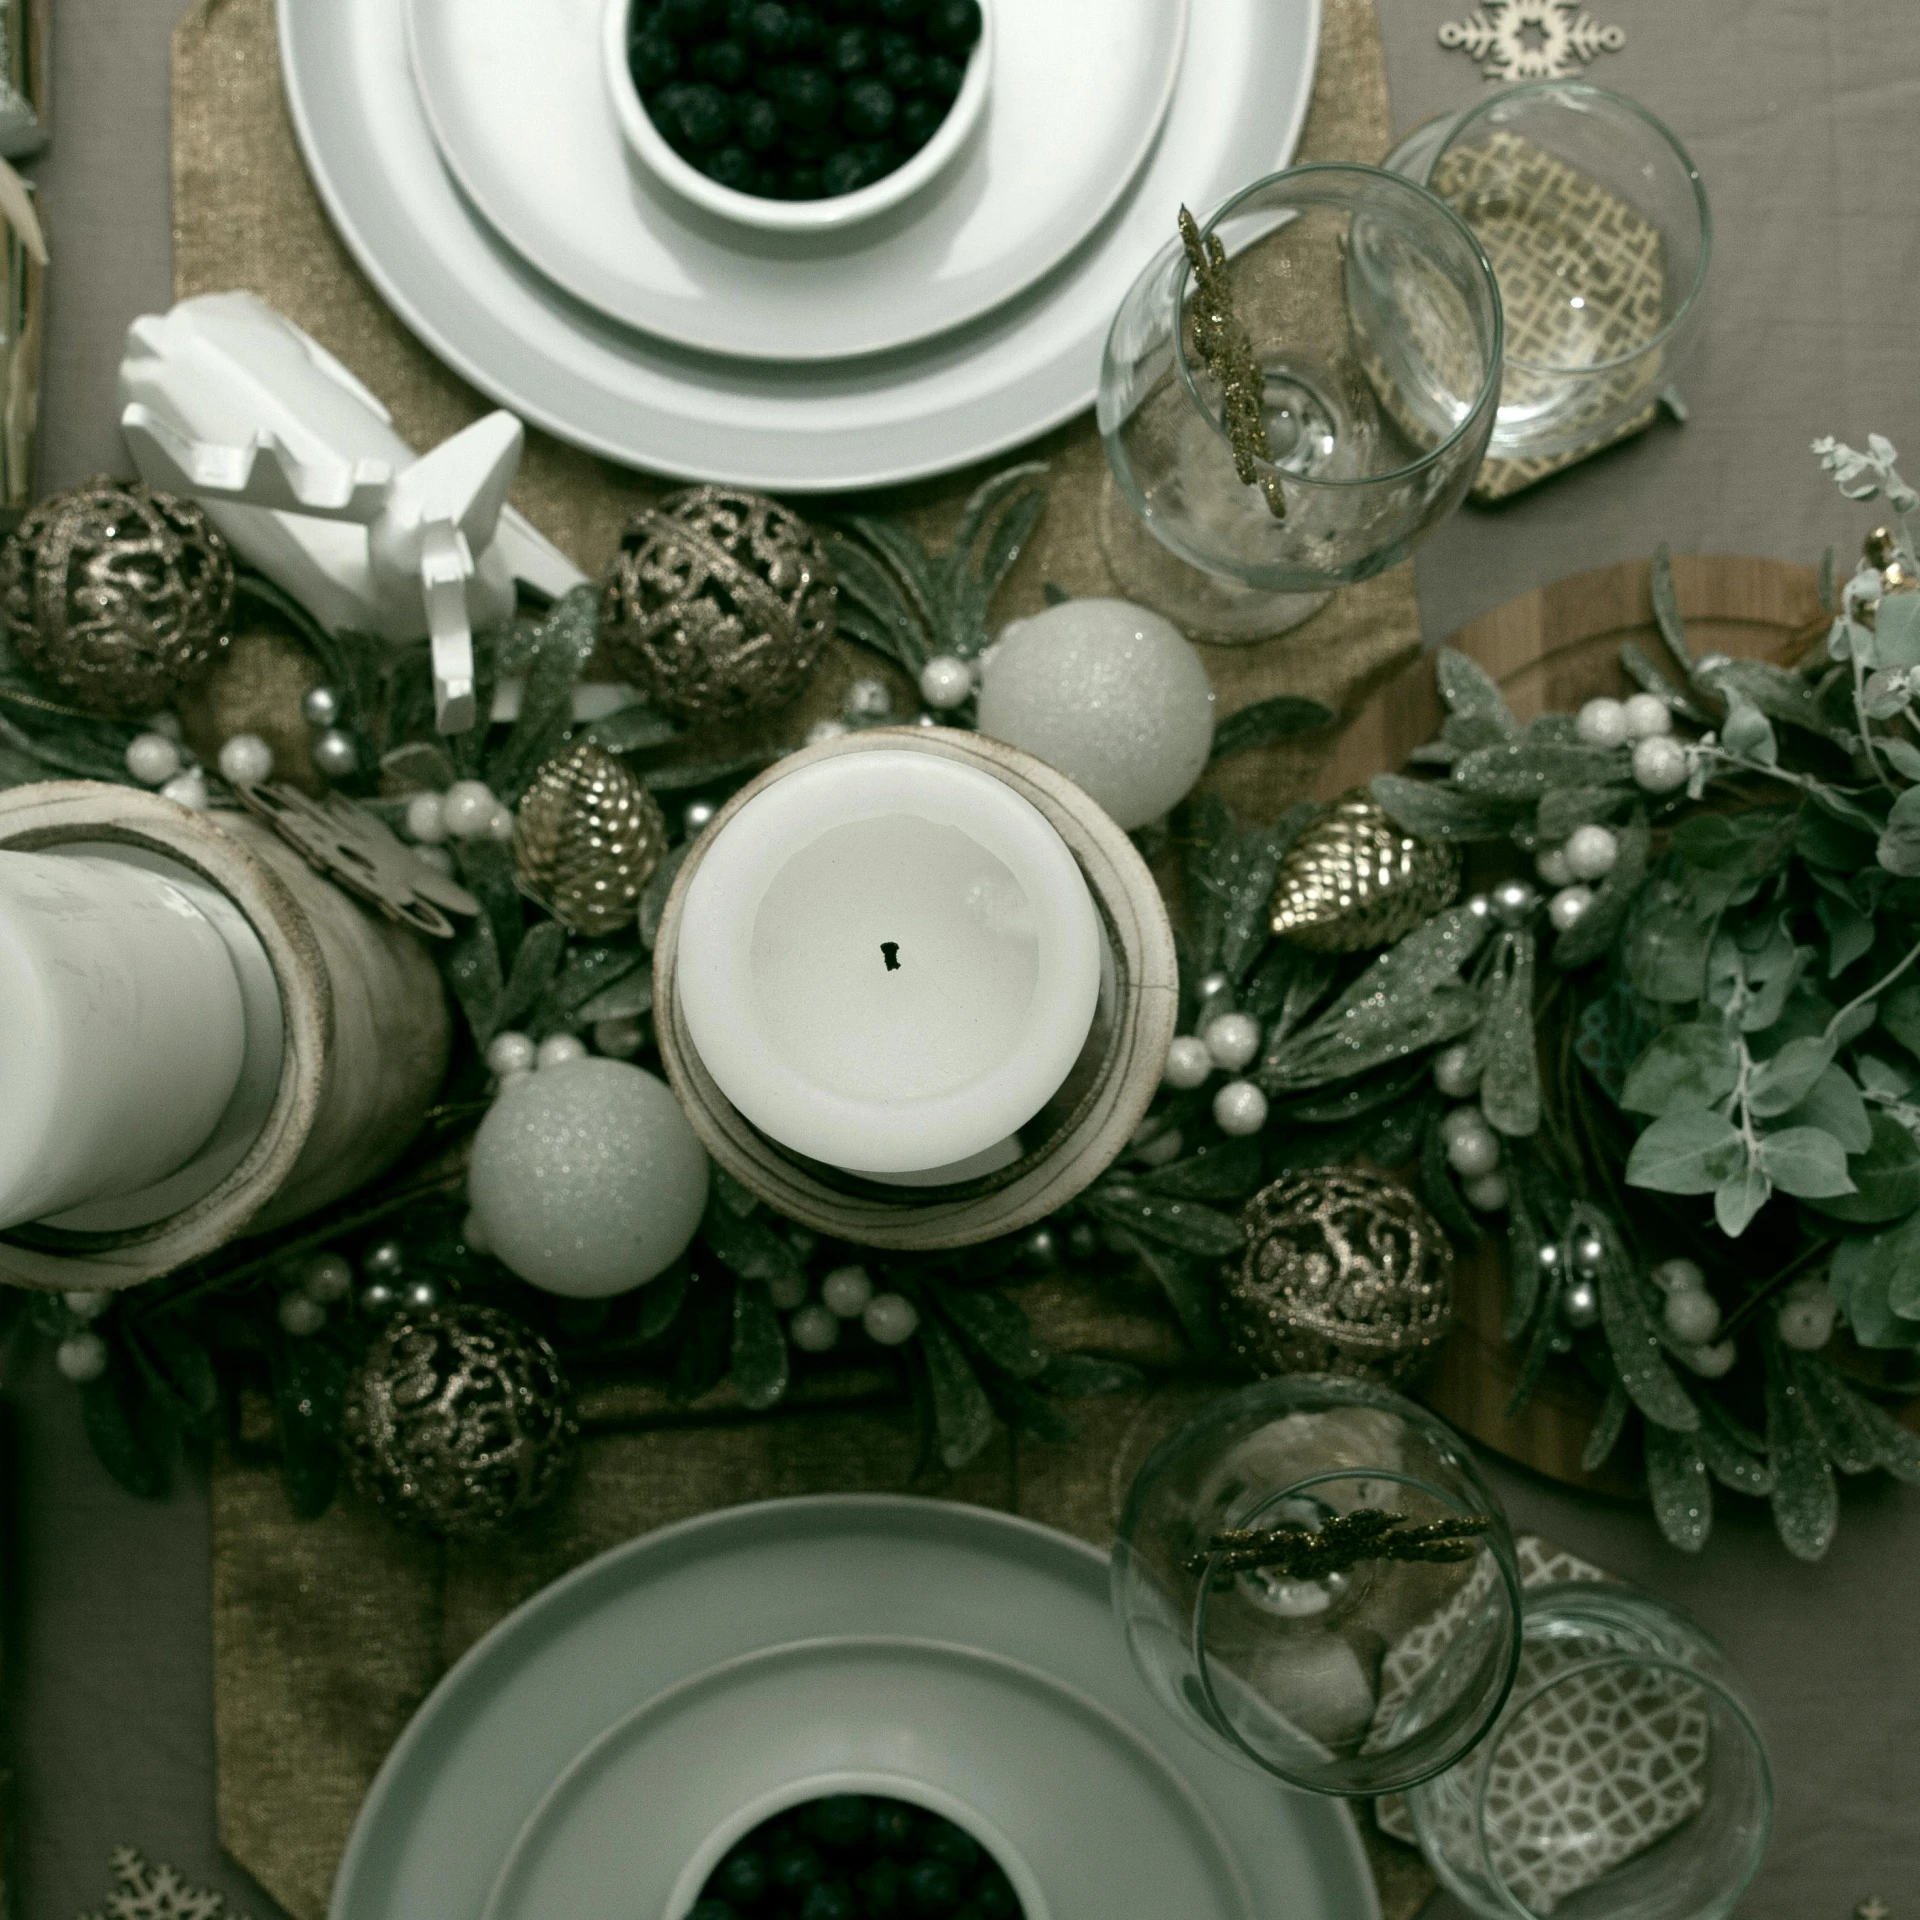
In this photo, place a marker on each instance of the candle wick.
(890, 953)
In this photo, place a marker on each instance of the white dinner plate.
(1079, 1801)
(532, 1699)
(516, 94)
(1242, 92)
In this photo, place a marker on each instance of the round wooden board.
(1550, 651)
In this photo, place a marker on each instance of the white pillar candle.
(124, 1032)
(889, 962)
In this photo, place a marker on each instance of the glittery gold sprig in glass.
(1374, 323)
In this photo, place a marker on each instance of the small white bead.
(474, 1234)
(1456, 1073)
(1513, 901)
(246, 759)
(1588, 1252)
(1711, 1362)
(1239, 1108)
(427, 819)
(500, 827)
(870, 698)
(891, 1319)
(1188, 1063)
(1462, 1123)
(788, 1290)
(468, 810)
(1552, 867)
(327, 1278)
(699, 814)
(1806, 1324)
(320, 707)
(152, 759)
(1679, 1276)
(1488, 1194)
(1692, 1316)
(335, 754)
(1592, 852)
(559, 1050)
(87, 1303)
(438, 858)
(847, 1292)
(301, 1316)
(1646, 715)
(1232, 1041)
(814, 1330)
(1476, 1154)
(619, 1039)
(946, 681)
(385, 1261)
(81, 1357)
(824, 730)
(1582, 1304)
(188, 790)
(1659, 764)
(511, 1053)
(1568, 907)
(1601, 723)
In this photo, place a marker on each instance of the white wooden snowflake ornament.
(156, 1893)
(1531, 39)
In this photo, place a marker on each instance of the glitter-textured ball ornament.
(1189, 1063)
(460, 1422)
(846, 1291)
(1601, 723)
(152, 759)
(81, 1357)
(1111, 695)
(1232, 1040)
(1592, 852)
(719, 603)
(1644, 715)
(814, 1330)
(1344, 1272)
(116, 597)
(1239, 1109)
(246, 760)
(1659, 764)
(586, 1178)
(588, 839)
(891, 1319)
(1354, 879)
(946, 681)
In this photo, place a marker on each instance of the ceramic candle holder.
(345, 1038)
(1090, 1114)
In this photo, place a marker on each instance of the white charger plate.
(1238, 104)
(516, 94)
(536, 1694)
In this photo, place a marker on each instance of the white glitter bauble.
(1659, 764)
(320, 707)
(188, 790)
(846, 1292)
(300, 1316)
(1474, 1152)
(511, 1053)
(1601, 723)
(81, 1357)
(946, 681)
(1239, 1108)
(246, 759)
(427, 819)
(586, 1179)
(152, 759)
(558, 1050)
(1568, 906)
(814, 1330)
(1553, 869)
(1678, 1276)
(1646, 715)
(1232, 1040)
(1488, 1194)
(1710, 1363)
(1462, 1123)
(1692, 1315)
(891, 1319)
(468, 807)
(1188, 1063)
(1592, 852)
(1456, 1073)
(1111, 695)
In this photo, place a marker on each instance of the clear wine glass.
(1374, 321)
(1303, 1676)
(1626, 1778)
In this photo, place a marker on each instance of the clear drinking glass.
(1624, 1780)
(1303, 1677)
(1596, 222)
(1375, 323)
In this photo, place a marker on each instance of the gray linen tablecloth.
(1804, 116)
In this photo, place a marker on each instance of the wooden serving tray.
(1550, 651)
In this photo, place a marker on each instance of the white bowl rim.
(832, 215)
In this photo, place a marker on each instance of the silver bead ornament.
(1806, 1325)
(152, 759)
(511, 1053)
(1678, 1276)
(335, 754)
(559, 1050)
(1569, 907)
(1040, 1250)
(1462, 1122)
(1553, 869)
(1581, 1304)
(1476, 1153)
(327, 1278)
(698, 816)
(380, 1299)
(385, 1260)
(320, 707)
(1711, 1363)
(468, 808)
(246, 760)
(1692, 1315)
(1513, 902)
(1488, 1194)
(946, 682)
(1588, 1252)
(85, 1303)
(419, 1295)
(427, 819)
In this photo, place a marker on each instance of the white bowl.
(833, 215)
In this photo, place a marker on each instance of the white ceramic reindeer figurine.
(300, 467)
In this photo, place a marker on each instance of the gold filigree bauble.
(1354, 880)
(118, 598)
(1344, 1272)
(586, 840)
(719, 603)
(460, 1422)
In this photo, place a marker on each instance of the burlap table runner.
(327, 1635)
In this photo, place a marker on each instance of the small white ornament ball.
(1601, 723)
(152, 759)
(320, 707)
(81, 1357)
(1679, 1276)
(1582, 1304)
(891, 1319)
(1232, 1041)
(587, 1179)
(87, 1303)
(327, 1278)
(814, 1330)
(468, 807)
(386, 1260)
(1188, 1063)
(1692, 1315)
(1568, 907)
(1807, 1322)
(1111, 695)
(427, 819)
(474, 1234)
(788, 1290)
(1660, 764)
(870, 698)
(335, 754)
(1592, 852)
(500, 827)
(188, 790)
(246, 759)
(1474, 1153)
(559, 1050)
(1553, 869)
(698, 816)
(825, 730)
(301, 1316)
(946, 682)
(1710, 1363)
(511, 1053)
(1239, 1108)
(1456, 1073)
(438, 858)
(1488, 1194)
(1588, 1251)
(620, 1038)
(1646, 715)
(847, 1292)
(1460, 1124)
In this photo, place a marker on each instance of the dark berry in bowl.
(933, 1888)
(723, 62)
(741, 1877)
(919, 121)
(805, 96)
(654, 59)
(899, 13)
(850, 52)
(807, 34)
(954, 25)
(867, 109)
(705, 115)
(828, 1901)
(732, 167)
(943, 79)
(770, 26)
(686, 19)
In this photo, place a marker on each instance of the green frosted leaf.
(1837, 1412)
(1470, 691)
(1188, 1225)
(1730, 1458)
(1510, 1073)
(1686, 1067)
(759, 1358)
(1631, 1333)
(1607, 1428)
(995, 1327)
(1682, 1493)
(962, 1413)
(1435, 812)
(1806, 1503)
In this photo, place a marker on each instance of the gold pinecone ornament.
(118, 598)
(1354, 880)
(719, 603)
(1344, 1272)
(586, 840)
